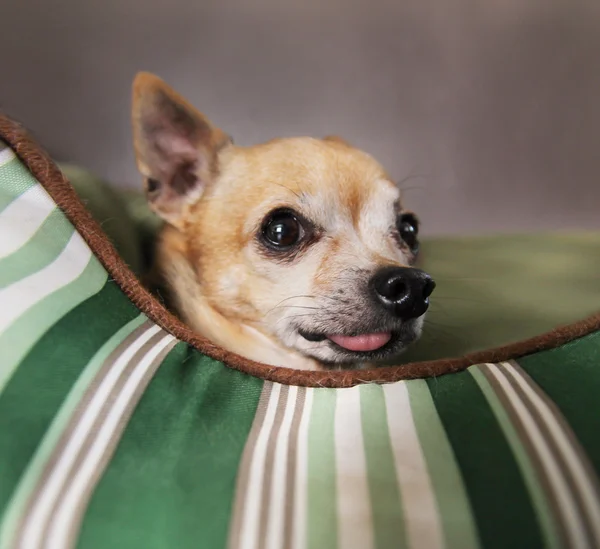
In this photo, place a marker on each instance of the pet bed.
(119, 428)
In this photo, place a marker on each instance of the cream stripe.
(355, 524)
(17, 298)
(62, 522)
(243, 473)
(421, 516)
(59, 431)
(573, 524)
(299, 524)
(250, 521)
(47, 497)
(580, 477)
(6, 155)
(22, 218)
(276, 512)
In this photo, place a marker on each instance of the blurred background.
(487, 112)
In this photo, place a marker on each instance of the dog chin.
(368, 347)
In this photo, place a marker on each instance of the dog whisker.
(298, 195)
(411, 176)
(440, 329)
(291, 317)
(463, 299)
(288, 299)
(413, 188)
(296, 307)
(468, 278)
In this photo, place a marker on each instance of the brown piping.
(48, 174)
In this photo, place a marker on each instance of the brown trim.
(48, 174)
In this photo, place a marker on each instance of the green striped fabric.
(113, 434)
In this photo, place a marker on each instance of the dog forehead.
(366, 209)
(326, 179)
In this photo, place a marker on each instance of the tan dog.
(295, 253)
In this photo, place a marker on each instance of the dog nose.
(403, 291)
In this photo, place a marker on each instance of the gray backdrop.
(488, 110)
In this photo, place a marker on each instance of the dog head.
(302, 242)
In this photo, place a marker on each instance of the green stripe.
(43, 248)
(21, 335)
(456, 514)
(525, 464)
(570, 376)
(321, 490)
(388, 520)
(47, 374)
(32, 474)
(172, 479)
(15, 179)
(497, 492)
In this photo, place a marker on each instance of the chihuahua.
(295, 253)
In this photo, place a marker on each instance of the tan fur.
(222, 284)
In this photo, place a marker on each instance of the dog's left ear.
(177, 148)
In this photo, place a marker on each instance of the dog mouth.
(363, 343)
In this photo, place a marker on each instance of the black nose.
(403, 291)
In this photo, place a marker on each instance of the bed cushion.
(121, 428)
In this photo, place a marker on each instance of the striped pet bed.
(119, 428)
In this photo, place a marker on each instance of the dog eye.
(282, 229)
(408, 228)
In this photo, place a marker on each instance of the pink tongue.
(365, 342)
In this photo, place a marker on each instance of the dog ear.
(176, 147)
(336, 139)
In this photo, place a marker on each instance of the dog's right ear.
(176, 147)
(336, 139)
